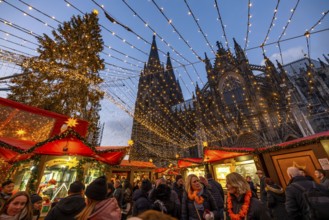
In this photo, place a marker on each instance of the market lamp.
(151, 160)
(177, 156)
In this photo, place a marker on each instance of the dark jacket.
(189, 210)
(217, 192)
(67, 208)
(256, 209)
(141, 202)
(179, 190)
(118, 194)
(163, 202)
(295, 204)
(325, 182)
(263, 194)
(276, 202)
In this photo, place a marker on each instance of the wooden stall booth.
(308, 153)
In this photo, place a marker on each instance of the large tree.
(64, 78)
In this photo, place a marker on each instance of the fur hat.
(35, 198)
(76, 187)
(97, 189)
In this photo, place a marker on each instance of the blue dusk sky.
(185, 28)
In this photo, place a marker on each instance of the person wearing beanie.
(178, 187)
(68, 207)
(99, 207)
(7, 191)
(141, 200)
(36, 202)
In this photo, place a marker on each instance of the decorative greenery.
(64, 78)
(80, 167)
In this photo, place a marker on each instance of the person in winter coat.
(178, 187)
(7, 188)
(17, 207)
(262, 184)
(321, 175)
(295, 205)
(68, 207)
(127, 199)
(197, 202)
(110, 190)
(118, 192)
(99, 207)
(276, 200)
(163, 203)
(36, 202)
(252, 185)
(141, 201)
(241, 204)
(217, 192)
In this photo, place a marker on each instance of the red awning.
(217, 155)
(134, 163)
(188, 162)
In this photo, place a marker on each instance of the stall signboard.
(63, 162)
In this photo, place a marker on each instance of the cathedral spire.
(240, 55)
(154, 60)
(169, 65)
(326, 58)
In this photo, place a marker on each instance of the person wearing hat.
(141, 200)
(178, 187)
(36, 202)
(99, 207)
(68, 207)
(6, 191)
(262, 185)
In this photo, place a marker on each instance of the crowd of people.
(192, 198)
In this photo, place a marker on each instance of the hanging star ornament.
(71, 122)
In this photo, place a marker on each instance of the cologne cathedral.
(234, 108)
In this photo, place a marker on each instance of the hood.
(106, 209)
(71, 204)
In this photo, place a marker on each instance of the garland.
(244, 208)
(80, 170)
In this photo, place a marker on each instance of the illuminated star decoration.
(20, 132)
(71, 122)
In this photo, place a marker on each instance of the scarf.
(194, 196)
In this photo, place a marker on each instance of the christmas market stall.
(224, 160)
(132, 170)
(42, 150)
(307, 153)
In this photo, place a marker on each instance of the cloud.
(288, 56)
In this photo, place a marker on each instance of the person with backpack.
(163, 203)
(305, 199)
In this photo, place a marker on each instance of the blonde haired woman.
(197, 202)
(99, 207)
(241, 204)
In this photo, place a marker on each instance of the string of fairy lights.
(190, 12)
(127, 95)
(271, 25)
(221, 23)
(248, 25)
